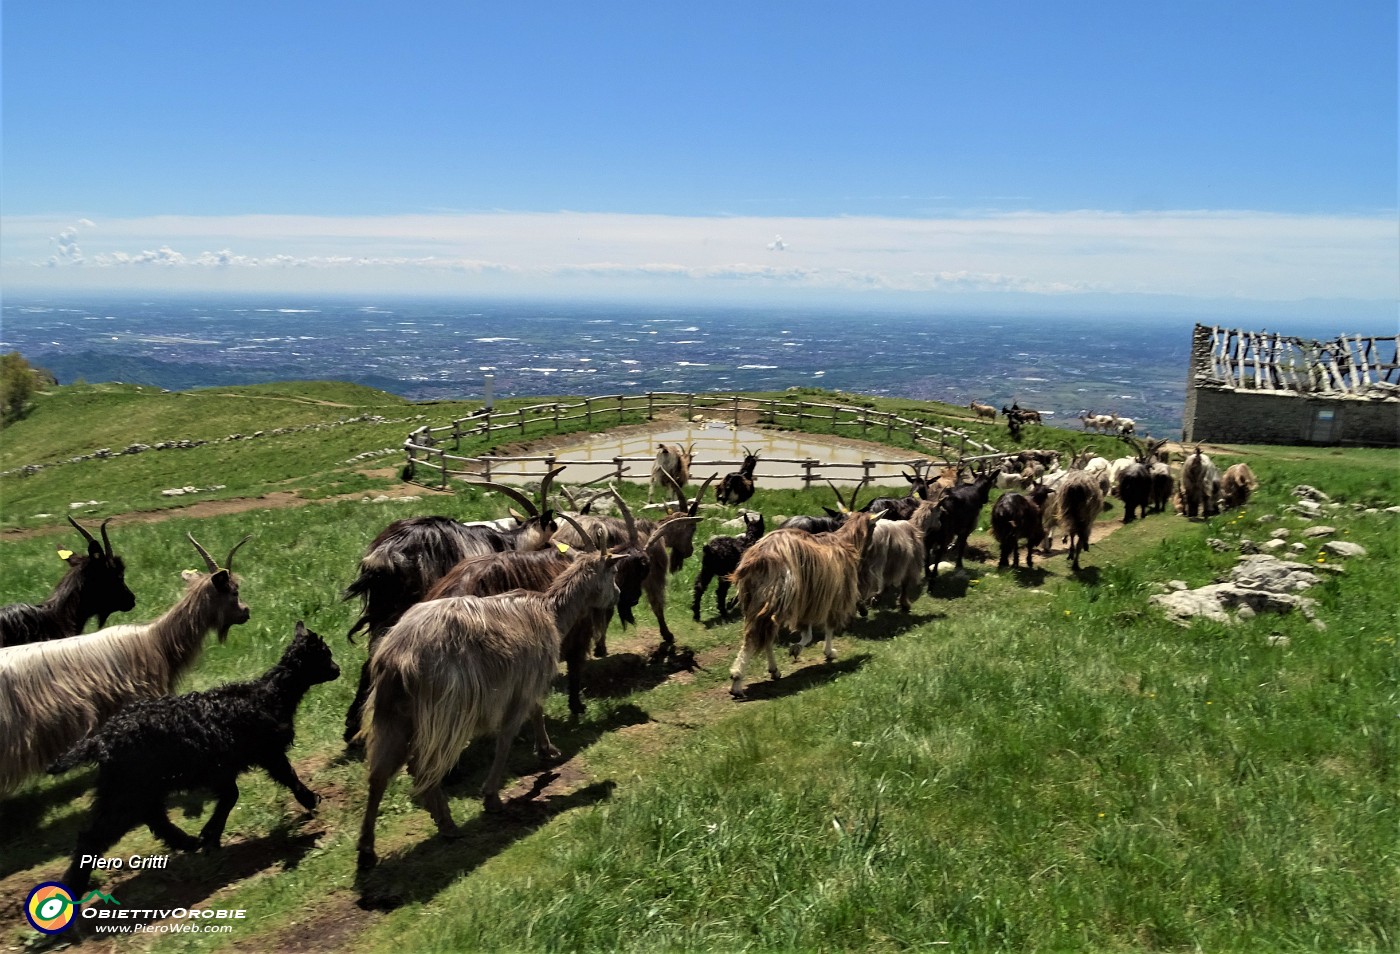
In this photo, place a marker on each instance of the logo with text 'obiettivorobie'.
(50, 907)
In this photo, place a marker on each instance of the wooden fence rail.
(424, 447)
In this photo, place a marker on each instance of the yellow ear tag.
(64, 554)
(563, 547)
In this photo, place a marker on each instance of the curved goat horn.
(699, 495)
(856, 493)
(840, 501)
(86, 536)
(510, 492)
(585, 541)
(106, 543)
(544, 487)
(228, 564)
(208, 560)
(627, 517)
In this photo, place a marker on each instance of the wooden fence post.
(442, 462)
(588, 410)
(456, 433)
(807, 474)
(690, 406)
(621, 400)
(889, 428)
(736, 410)
(556, 417)
(651, 405)
(617, 465)
(486, 468)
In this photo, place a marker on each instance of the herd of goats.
(468, 622)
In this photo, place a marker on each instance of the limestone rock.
(1343, 548)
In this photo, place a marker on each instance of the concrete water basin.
(719, 449)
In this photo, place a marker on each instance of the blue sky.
(1217, 154)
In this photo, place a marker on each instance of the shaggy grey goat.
(457, 668)
(201, 740)
(409, 556)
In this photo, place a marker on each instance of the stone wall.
(1242, 417)
(1218, 411)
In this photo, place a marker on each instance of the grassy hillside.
(1028, 761)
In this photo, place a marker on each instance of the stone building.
(1260, 388)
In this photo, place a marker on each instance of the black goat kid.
(95, 585)
(201, 740)
(719, 558)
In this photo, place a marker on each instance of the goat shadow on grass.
(432, 864)
(26, 841)
(569, 737)
(1029, 576)
(621, 674)
(1088, 575)
(803, 678)
(192, 878)
(952, 585)
(886, 624)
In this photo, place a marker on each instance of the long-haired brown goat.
(1075, 505)
(54, 693)
(792, 579)
(1237, 484)
(665, 553)
(671, 469)
(454, 669)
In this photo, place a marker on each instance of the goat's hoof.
(737, 694)
(774, 674)
(490, 803)
(550, 754)
(365, 859)
(209, 844)
(831, 657)
(308, 799)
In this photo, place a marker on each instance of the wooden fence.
(427, 446)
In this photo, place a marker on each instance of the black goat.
(1017, 517)
(1136, 481)
(719, 558)
(737, 488)
(961, 507)
(833, 520)
(901, 508)
(201, 740)
(95, 585)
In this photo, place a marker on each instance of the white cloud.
(1196, 254)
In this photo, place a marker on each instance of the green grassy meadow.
(1029, 761)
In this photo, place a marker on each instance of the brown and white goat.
(983, 410)
(1075, 505)
(792, 579)
(54, 693)
(1237, 484)
(671, 469)
(454, 669)
(94, 585)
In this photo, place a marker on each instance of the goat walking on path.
(454, 669)
(201, 740)
(792, 579)
(54, 693)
